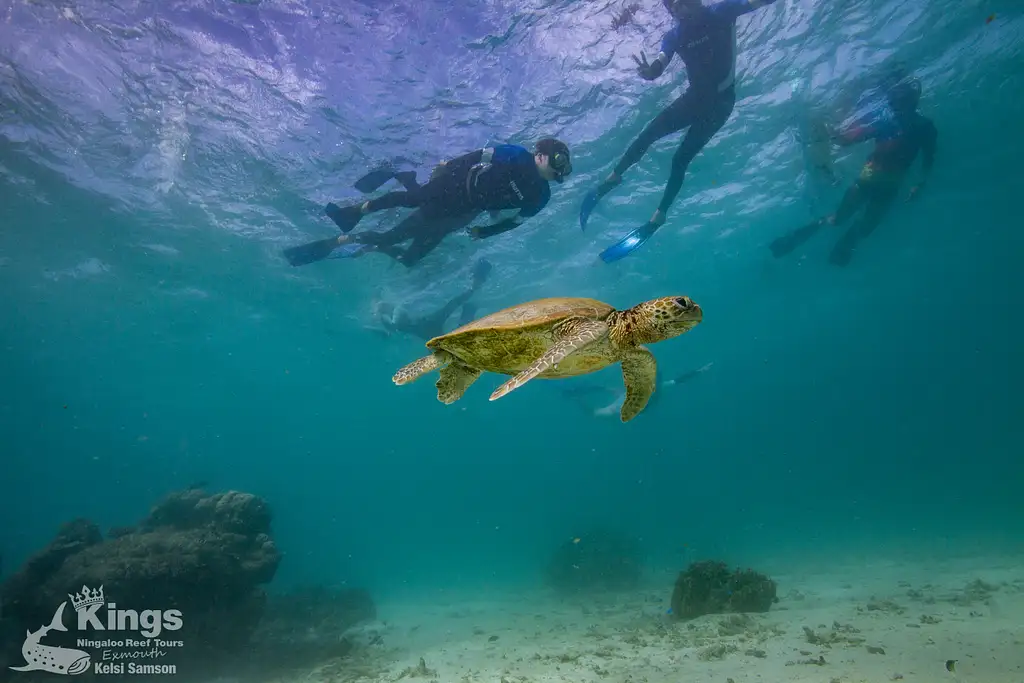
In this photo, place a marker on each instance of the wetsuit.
(897, 144)
(707, 46)
(899, 139)
(492, 179)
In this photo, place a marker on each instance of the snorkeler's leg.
(387, 242)
(676, 116)
(375, 179)
(875, 209)
(415, 196)
(699, 135)
(673, 118)
(852, 201)
(432, 233)
(704, 123)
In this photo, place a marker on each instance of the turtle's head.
(659, 319)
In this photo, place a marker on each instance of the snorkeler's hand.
(643, 68)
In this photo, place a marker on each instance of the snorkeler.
(434, 324)
(899, 139)
(494, 179)
(705, 39)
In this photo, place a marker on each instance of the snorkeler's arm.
(857, 131)
(651, 70)
(480, 232)
(733, 9)
(532, 206)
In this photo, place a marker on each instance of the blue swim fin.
(349, 251)
(630, 243)
(589, 202)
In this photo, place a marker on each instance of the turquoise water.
(155, 159)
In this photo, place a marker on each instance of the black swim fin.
(345, 217)
(408, 180)
(372, 181)
(305, 254)
(791, 240)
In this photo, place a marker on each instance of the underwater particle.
(951, 665)
(989, 20)
(65, 406)
(576, 540)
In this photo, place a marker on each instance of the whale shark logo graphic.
(56, 660)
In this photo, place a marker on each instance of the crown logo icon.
(87, 597)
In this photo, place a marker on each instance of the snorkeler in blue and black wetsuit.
(495, 179)
(901, 134)
(705, 39)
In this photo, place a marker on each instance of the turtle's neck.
(630, 328)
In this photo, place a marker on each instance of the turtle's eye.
(683, 302)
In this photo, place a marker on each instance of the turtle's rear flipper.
(418, 368)
(639, 372)
(577, 333)
(454, 381)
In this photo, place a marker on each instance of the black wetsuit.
(495, 179)
(707, 46)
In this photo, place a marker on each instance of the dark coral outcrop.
(204, 555)
(710, 587)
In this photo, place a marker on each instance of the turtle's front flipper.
(454, 381)
(573, 334)
(418, 368)
(639, 372)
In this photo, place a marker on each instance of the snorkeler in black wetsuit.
(435, 324)
(705, 39)
(897, 145)
(494, 179)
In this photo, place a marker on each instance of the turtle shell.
(509, 340)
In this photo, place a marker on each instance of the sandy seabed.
(880, 621)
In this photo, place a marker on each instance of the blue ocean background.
(156, 157)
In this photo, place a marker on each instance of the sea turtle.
(552, 338)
